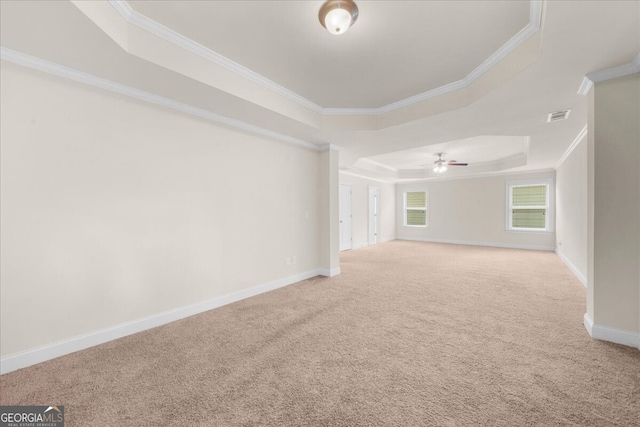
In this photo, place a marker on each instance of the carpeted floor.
(410, 334)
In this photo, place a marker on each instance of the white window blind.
(529, 205)
(415, 208)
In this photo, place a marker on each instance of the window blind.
(528, 218)
(530, 195)
(416, 199)
(416, 208)
(415, 217)
(529, 204)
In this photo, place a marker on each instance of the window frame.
(548, 207)
(426, 208)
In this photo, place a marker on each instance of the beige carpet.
(409, 334)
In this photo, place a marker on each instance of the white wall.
(113, 210)
(360, 209)
(613, 290)
(470, 211)
(328, 212)
(571, 210)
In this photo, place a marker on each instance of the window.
(529, 206)
(415, 208)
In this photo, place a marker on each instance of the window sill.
(528, 231)
(416, 226)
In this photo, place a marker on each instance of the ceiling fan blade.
(457, 164)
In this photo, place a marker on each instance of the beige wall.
(113, 210)
(571, 210)
(471, 211)
(614, 233)
(328, 212)
(360, 209)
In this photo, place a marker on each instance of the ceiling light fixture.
(439, 167)
(338, 15)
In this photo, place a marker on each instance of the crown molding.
(153, 27)
(52, 68)
(159, 30)
(451, 87)
(585, 86)
(535, 20)
(577, 140)
(357, 175)
(329, 147)
(608, 74)
(378, 164)
(614, 73)
(397, 180)
(474, 176)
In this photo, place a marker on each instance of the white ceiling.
(396, 49)
(269, 67)
(475, 150)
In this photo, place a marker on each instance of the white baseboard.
(572, 267)
(364, 245)
(588, 324)
(327, 272)
(51, 351)
(473, 243)
(605, 333)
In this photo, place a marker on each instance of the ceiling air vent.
(558, 115)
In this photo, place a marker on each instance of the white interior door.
(374, 215)
(345, 217)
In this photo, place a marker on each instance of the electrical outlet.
(288, 260)
(294, 259)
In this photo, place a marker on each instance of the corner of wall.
(573, 268)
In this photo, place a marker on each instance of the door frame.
(376, 192)
(340, 211)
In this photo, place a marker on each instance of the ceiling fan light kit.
(440, 165)
(439, 168)
(337, 16)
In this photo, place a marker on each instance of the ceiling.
(476, 150)
(283, 42)
(474, 79)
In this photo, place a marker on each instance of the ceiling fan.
(440, 165)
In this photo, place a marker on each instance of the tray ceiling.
(287, 71)
(396, 50)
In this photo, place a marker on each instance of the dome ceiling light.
(338, 15)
